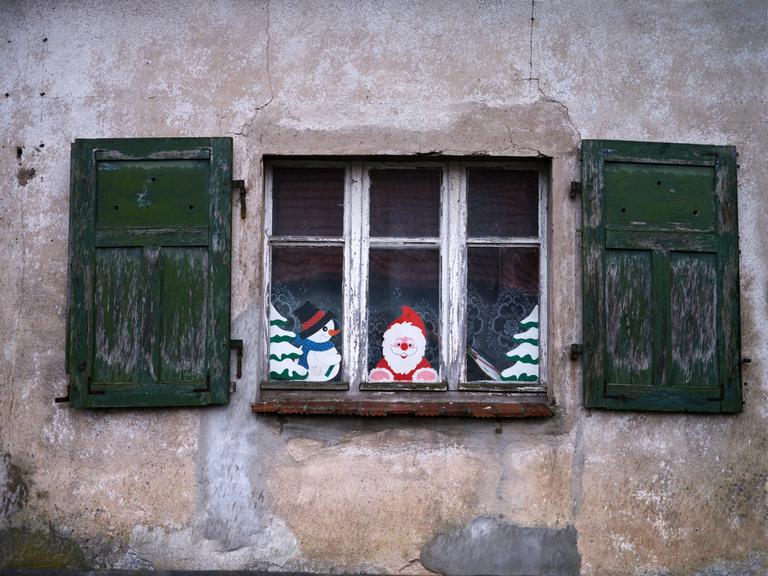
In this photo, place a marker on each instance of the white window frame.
(452, 243)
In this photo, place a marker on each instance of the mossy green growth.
(23, 548)
(14, 493)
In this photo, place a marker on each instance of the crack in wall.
(530, 53)
(531, 78)
(546, 98)
(269, 70)
(245, 128)
(409, 564)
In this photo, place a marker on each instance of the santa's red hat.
(409, 315)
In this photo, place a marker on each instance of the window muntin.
(383, 241)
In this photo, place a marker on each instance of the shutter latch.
(239, 185)
(237, 345)
(575, 189)
(577, 350)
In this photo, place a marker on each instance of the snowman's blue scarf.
(308, 346)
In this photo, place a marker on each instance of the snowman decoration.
(318, 353)
(403, 350)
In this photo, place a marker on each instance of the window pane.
(502, 203)
(306, 313)
(308, 201)
(403, 315)
(405, 203)
(503, 314)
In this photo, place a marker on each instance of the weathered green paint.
(693, 339)
(150, 281)
(119, 314)
(152, 194)
(183, 327)
(659, 196)
(661, 296)
(629, 317)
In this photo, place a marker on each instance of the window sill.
(450, 404)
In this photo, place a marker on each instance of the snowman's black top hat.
(311, 318)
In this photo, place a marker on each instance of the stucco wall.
(596, 492)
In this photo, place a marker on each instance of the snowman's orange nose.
(334, 332)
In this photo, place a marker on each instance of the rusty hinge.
(239, 185)
(576, 188)
(238, 346)
(577, 350)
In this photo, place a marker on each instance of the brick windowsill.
(455, 404)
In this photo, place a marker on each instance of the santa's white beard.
(394, 358)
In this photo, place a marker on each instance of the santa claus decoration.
(403, 349)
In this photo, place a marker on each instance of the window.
(149, 278)
(661, 277)
(405, 276)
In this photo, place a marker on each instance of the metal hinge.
(576, 188)
(577, 350)
(237, 345)
(60, 399)
(239, 185)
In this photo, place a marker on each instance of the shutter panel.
(661, 277)
(149, 301)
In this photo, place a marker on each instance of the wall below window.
(586, 492)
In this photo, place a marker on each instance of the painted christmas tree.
(526, 354)
(283, 355)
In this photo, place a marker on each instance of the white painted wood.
(543, 272)
(354, 299)
(445, 266)
(308, 240)
(455, 275)
(365, 220)
(507, 242)
(267, 271)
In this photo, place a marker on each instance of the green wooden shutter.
(661, 277)
(149, 301)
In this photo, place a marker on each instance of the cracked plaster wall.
(221, 488)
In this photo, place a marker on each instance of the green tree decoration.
(525, 356)
(283, 355)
